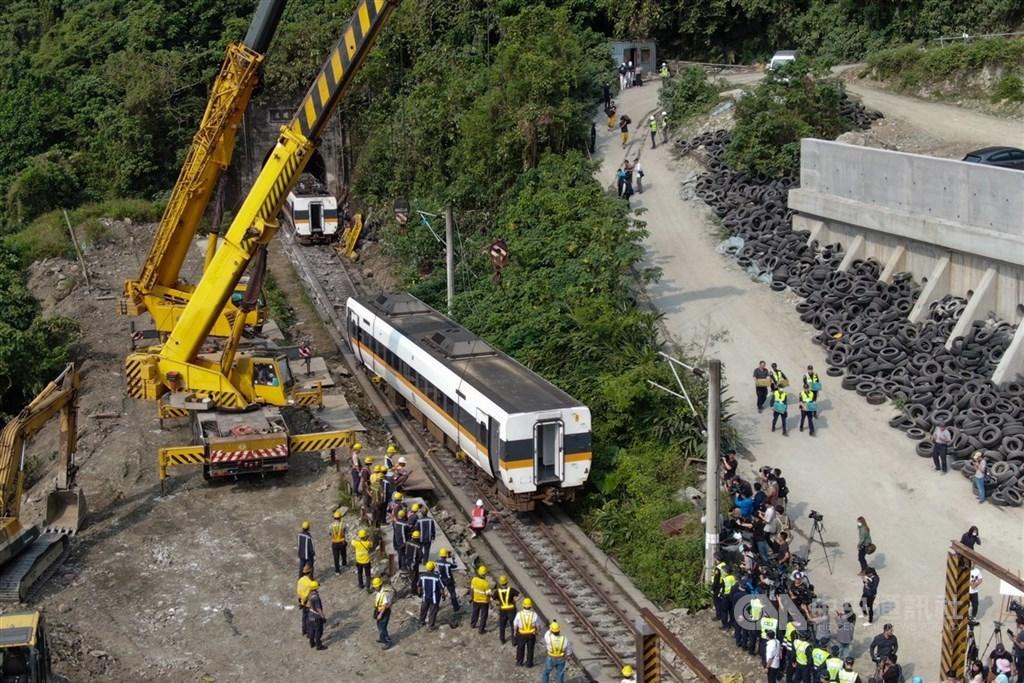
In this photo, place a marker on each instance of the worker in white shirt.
(558, 648)
(976, 580)
(772, 658)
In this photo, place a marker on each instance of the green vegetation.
(794, 102)
(277, 304)
(839, 30)
(913, 67)
(687, 94)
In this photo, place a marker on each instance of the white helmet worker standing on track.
(478, 518)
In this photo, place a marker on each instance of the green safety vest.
(790, 632)
(755, 610)
(848, 676)
(728, 581)
(768, 624)
(800, 647)
(654, 126)
(834, 666)
(818, 656)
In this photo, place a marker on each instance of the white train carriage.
(531, 437)
(313, 211)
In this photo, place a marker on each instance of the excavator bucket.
(65, 511)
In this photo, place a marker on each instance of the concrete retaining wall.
(958, 225)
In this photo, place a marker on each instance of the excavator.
(158, 289)
(234, 384)
(26, 553)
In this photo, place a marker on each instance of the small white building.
(641, 52)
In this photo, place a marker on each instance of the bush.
(913, 66)
(1009, 89)
(793, 103)
(47, 182)
(687, 93)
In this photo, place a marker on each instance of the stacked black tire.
(862, 326)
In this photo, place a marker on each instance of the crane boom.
(157, 290)
(176, 364)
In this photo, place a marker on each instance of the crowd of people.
(773, 382)
(379, 489)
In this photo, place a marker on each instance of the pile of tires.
(863, 329)
(856, 115)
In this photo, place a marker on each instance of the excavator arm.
(58, 397)
(176, 365)
(158, 290)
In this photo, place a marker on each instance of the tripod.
(972, 644)
(819, 527)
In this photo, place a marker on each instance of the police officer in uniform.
(399, 535)
(808, 408)
(446, 567)
(780, 409)
(412, 555)
(848, 675)
(728, 585)
(833, 665)
(316, 618)
(801, 670)
(525, 625)
(430, 590)
(505, 596)
(339, 548)
(813, 381)
(768, 624)
(716, 587)
(819, 655)
(307, 554)
(755, 612)
(382, 611)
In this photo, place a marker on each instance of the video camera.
(816, 516)
(1017, 609)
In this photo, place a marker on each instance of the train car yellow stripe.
(415, 389)
(578, 457)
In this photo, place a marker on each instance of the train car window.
(482, 429)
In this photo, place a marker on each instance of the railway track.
(535, 547)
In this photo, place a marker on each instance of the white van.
(782, 57)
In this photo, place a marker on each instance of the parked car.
(1005, 157)
(782, 57)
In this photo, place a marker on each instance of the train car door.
(487, 436)
(549, 451)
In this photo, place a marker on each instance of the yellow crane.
(237, 432)
(239, 382)
(158, 289)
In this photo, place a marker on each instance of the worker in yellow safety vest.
(363, 547)
(480, 590)
(525, 625)
(339, 548)
(728, 583)
(801, 649)
(833, 665)
(558, 648)
(505, 596)
(780, 409)
(819, 656)
(750, 636)
(848, 675)
(302, 589)
(382, 611)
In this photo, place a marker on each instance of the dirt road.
(856, 466)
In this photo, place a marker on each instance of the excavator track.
(36, 561)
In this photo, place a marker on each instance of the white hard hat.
(664, 113)
(479, 503)
(652, 117)
(402, 460)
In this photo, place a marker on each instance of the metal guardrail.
(648, 655)
(966, 37)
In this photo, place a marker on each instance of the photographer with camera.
(869, 593)
(1018, 643)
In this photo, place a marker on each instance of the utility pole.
(449, 254)
(714, 449)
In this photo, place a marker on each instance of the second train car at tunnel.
(529, 436)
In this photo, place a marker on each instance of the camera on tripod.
(816, 516)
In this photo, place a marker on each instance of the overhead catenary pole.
(449, 255)
(714, 448)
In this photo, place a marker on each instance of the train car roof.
(509, 384)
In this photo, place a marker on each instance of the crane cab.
(271, 378)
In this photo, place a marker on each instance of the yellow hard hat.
(627, 670)
(362, 533)
(503, 580)
(380, 468)
(337, 514)
(307, 569)
(527, 603)
(555, 628)
(481, 570)
(357, 446)
(314, 584)
(391, 448)
(377, 582)
(305, 526)
(398, 495)
(443, 552)
(415, 507)
(415, 534)
(401, 514)
(431, 566)
(368, 460)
